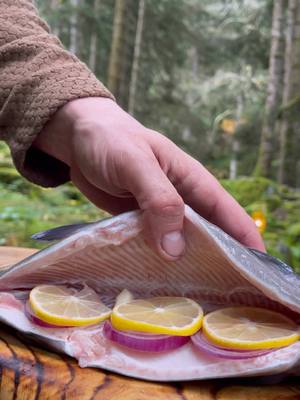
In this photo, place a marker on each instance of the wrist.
(56, 138)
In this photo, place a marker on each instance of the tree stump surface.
(30, 373)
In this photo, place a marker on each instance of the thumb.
(163, 222)
(162, 205)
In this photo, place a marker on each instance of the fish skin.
(62, 232)
(215, 269)
(274, 260)
(59, 233)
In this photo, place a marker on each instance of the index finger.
(201, 190)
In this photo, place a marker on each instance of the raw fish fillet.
(111, 255)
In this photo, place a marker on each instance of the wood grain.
(31, 373)
(11, 255)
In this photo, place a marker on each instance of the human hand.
(120, 165)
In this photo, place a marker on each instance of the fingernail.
(173, 243)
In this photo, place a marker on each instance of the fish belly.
(91, 349)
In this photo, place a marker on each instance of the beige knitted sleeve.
(37, 77)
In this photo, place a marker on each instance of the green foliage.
(26, 208)
(8, 174)
(249, 190)
(34, 209)
(281, 206)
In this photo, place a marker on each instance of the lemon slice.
(249, 328)
(60, 305)
(177, 316)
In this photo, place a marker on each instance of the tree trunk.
(114, 68)
(93, 43)
(126, 51)
(136, 57)
(74, 31)
(233, 166)
(54, 5)
(235, 144)
(273, 102)
(289, 147)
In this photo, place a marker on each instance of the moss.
(22, 214)
(249, 190)
(8, 174)
(294, 231)
(273, 202)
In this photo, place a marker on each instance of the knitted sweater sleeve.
(37, 77)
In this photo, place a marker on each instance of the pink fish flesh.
(111, 255)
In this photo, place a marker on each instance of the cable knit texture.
(37, 77)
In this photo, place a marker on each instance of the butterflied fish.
(111, 255)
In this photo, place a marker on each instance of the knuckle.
(165, 142)
(131, 158)
(86, 126)
(166, 205)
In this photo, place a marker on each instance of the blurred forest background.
(221, 78)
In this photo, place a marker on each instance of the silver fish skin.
(60, 232)
(111, 255)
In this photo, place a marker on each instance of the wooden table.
(30, 373)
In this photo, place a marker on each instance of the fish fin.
(124, 297)
(58, 233)
(273, 260)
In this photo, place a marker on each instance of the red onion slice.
(202, 344)
(143, 341)
(34, 319)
